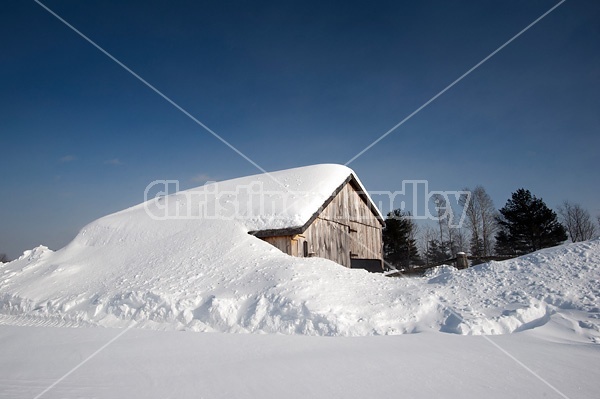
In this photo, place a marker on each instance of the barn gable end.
(345, 229)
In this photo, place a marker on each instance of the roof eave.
(351, 179)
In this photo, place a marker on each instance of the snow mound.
(209, 274)
(525, 292)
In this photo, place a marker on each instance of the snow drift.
(209, 274)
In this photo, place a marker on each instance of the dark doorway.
(371, 265)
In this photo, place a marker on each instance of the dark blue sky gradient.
(289, 85)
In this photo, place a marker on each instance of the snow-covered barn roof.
(275, 201)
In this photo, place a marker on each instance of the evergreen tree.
(503, 245)
(399, 245)
(527, 225)
(436, 252)
(477, 247)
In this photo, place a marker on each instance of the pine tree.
(399, 245)
(436, 252)
(477, 247)
(477, 250)
(527, 225)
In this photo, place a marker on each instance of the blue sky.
(289, 85)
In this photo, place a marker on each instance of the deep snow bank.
(267, 291)
(210, 275)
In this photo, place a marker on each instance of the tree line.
(525, 224)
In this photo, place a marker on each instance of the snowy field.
(163, 364)
(544, 304)
(207, 310)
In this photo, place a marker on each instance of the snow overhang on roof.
(287, 200)
(352, 179)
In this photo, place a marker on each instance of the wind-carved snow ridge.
(524, 317)
(314, 297)
(211, 275)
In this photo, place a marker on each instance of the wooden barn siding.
(348, 206)
(330, 235)
(284, 244)
(327, 239)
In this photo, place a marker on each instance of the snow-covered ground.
(209, 286)
(207, 274)
(544, 304)
(166, 364)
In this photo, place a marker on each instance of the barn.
(339, 221)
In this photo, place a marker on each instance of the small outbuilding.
(344, 226)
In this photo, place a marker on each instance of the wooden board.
(345, 229)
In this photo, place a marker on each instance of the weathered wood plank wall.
(345, 229)
(284, 244)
